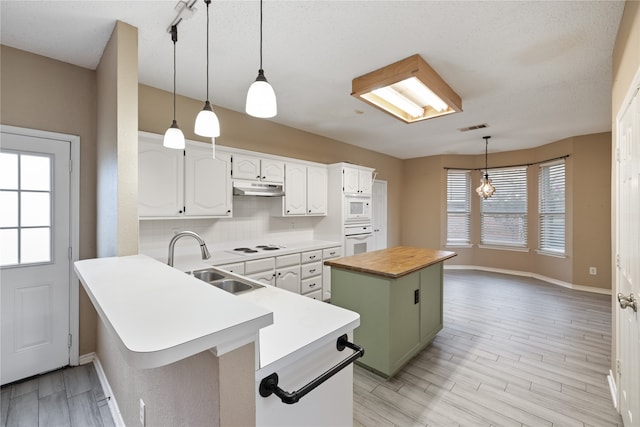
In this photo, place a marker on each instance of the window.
(25, 217)
(551, 207)
(458, 207)
(503, 217)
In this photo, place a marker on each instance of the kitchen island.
(398, 294)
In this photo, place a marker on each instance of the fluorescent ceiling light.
(408, 89)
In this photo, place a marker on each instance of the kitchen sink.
(207, 275)
(220, 280)
(234, 286)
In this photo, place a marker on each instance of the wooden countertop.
(392, 262)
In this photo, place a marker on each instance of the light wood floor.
(66, 397)
(513, 351)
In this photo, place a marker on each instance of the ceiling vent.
(481, 126)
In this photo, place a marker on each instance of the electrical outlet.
(593, 271)
(142, 407)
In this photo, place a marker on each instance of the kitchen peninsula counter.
(398, 294)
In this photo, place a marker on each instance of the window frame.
(542, 193)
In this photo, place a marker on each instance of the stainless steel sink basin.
(222, 281)
(207, 275)
(234, 286)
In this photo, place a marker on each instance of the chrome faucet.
(172, 243)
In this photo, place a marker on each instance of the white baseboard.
(613, 388)
(113, 405)
(532, 275)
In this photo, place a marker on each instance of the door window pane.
(8, 208)
(9, 246)
(35, 245)
(35, 173)
(34, 209)
(8, 171)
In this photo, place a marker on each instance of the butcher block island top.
(392, 262)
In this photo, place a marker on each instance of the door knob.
(629, 301)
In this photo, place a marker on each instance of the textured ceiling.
(535, 71)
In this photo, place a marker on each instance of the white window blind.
(458, 207)
(503, 217)
(551, 206)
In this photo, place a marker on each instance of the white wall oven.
(358, 239)
(357, 209)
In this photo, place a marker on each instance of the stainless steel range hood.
(246, 188)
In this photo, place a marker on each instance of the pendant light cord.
(174, 38)
(486, 156)
(261, 34)
(207, 2)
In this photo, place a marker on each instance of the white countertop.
(160, 315)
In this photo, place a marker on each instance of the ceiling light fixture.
(207, 123)
(409, 90)
(173, 137)
(261, 99)
(486, 189)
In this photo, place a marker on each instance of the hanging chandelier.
(486, 189)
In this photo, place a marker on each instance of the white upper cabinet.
(160, 179)
(317, 179)
(295, 199)
(357, 181)
(178, 183)
(305, 190)
(207, 190)
(257, 169)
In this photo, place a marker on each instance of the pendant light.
(173, 137)
(207, 123)
(261, 99)
(486, 189)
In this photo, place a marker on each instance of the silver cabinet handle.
(629, 301)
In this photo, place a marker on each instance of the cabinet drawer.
(287, 260)
(311, 256)
(237, 268)
(315, 294)
(258, 265)
(309, 270)
(311, 284)
(332, 252)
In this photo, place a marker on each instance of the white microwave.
(357, 209)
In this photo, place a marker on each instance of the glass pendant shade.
(207, 123)
(261, 99)
(173, 137)
(486, 189)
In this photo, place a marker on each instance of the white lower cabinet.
(328, 253)
(311, 274)
(261, 270)
(288, 272)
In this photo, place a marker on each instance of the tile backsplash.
(252, 223)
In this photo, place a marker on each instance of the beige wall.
(41, 93)
(588, 227)
(626, 63)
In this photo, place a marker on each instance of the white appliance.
(358, 239)
(357, 209)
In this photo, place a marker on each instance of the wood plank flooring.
(514, 351)
(66, 397)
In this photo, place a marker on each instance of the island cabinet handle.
(269, 384)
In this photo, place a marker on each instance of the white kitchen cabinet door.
(257, 169)
(160, 179)
(350, 178)
(295, 199)
(365, 182)
(266, 277)
(272, 170)
(289, 278)
(208, 190)
(317, 181)
(246, 167)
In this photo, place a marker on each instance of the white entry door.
(34, 255)
(379, 214)
(628, 254)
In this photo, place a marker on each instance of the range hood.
(246, 188)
